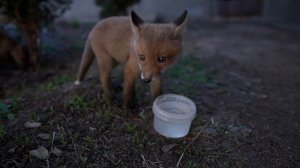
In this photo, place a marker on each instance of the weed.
(17, 93)
(33, 116)
(129, 127)
(189, 71)
(2, 131)
(51, 109)
(75, 24)
(94, 83)
(106, 113)
(61, 136)
(191, 164)
(105, 100)
(89, 142)
(56, 82)
(76, 136)
(78, 102)
(8, 109)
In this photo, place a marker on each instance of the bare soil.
(243, 76)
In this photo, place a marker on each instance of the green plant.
(191, 164)
(76, 136)
(107, 112)
(190, 71)
(33, 116)
(8, 108)
(78, 102)
(61, 136)
(88, 142)
(2, 131)
(75, 24)
(130, 128)
(56, 82)
(51, 109)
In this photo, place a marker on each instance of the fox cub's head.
(156, 45)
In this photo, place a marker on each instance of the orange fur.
(144, 48)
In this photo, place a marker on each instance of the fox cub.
(144, 48)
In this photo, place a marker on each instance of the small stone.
(56, 151)
(92, 129)
(40, 153)
(31, 124)
(11, 150)
(44, 136)
(263, 96)
(210, 131)
(240, 131)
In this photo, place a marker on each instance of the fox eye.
(162, 59)
(142, 57)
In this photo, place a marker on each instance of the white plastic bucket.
(173, 115)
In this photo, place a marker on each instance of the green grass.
(2, 131)
(75, 24)
(33, 116)
(17, 93)
(79, 102)
(129, 127)
(106, 112)
(191, 164)
(190, 72)
(190, 69)
(55, 82)
(8, 109)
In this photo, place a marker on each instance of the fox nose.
(147, 80)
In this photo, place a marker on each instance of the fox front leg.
(130, 76)
(156, 87)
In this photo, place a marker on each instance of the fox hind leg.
(105, 65)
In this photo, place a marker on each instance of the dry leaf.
(40, 153)
(44, 136)
(56, 151)
(31, 124)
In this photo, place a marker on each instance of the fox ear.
(136, 21)
(180, 23)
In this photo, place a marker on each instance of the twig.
(75, 149)
(152, 163)
(36, 140)
(67, 125)
(48, 165)
(145, 161)
(160, 165)
(198, 134)
(53, 135)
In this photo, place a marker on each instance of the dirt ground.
(243, 76)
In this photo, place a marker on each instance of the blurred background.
(42, 15)
(86, 11)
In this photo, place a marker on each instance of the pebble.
(31, 124)
(40, 153)
(56, 151)
(44, 136)
(240, 131)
